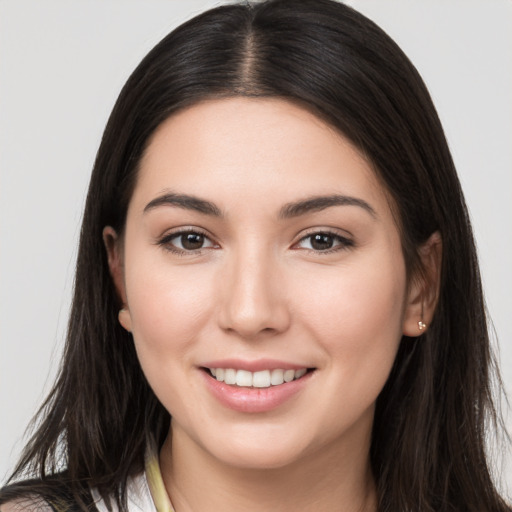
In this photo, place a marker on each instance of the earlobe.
(424, 288)
(115, 263)
(125, 319)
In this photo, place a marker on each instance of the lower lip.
(254, 400)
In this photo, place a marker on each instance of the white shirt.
(138, 496)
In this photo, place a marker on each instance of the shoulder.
(27, 505)
(138, 497)
(53, 494)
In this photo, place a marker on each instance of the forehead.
(265, 151)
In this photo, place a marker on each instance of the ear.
(113, 246)
(424, 288)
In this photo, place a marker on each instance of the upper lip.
(253, 366)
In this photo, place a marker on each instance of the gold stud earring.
(421, 324)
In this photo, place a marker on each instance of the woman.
(275, 252)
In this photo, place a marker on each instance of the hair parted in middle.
(428, 439)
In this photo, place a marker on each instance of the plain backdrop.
(62, 65)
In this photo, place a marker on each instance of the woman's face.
(260, 247)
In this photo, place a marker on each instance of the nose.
(253, 298)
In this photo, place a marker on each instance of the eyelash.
(165, 242)
(343, 242)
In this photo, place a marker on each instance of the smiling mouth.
(260, 379)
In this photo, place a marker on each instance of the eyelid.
(346, 239)
(164, 240)
(346, 242)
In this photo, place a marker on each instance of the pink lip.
(253, 400)
(252, 366)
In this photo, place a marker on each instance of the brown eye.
(187, 241)
(324, 241)
(192, 241)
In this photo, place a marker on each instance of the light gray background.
(62, 64)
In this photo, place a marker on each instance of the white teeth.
(243, 378)
(277, 377)
(289, 375)
(261, 379)
(230, 376)
(300, 373)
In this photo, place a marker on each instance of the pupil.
(321, 241)
(192, 241)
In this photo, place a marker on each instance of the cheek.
(167, 306)
(359, 297)
(169, 309)
(355, 312)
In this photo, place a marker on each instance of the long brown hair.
(428, 445)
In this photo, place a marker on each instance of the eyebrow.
(289, 210)
(318, 203)
(184, 201)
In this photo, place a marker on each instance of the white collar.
(138, 496)
(145, 492)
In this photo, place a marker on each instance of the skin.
(259, 288)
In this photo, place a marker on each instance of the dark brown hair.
(428, 446)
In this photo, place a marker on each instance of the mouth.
(260, 379)
(257, 386)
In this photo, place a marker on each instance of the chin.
(255, 458)
(252, 450)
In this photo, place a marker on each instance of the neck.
(337, 479)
